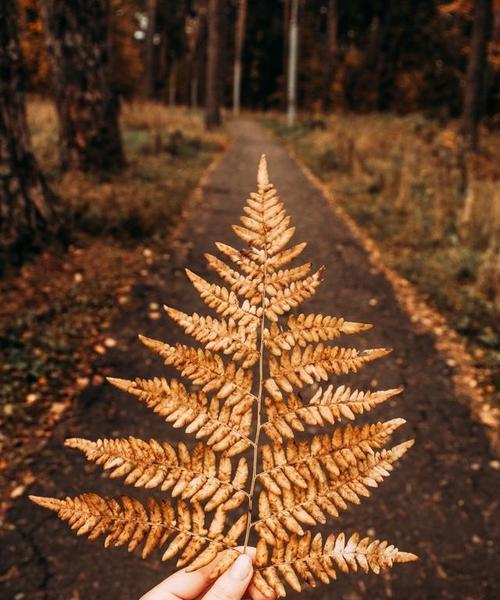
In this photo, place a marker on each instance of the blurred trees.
(78, 41)
(26, 202)
(149, 49)
(126, 65)
(332, 51)
(238, 49)
(476, 76)
(214, 75)
(293, 43)
(356, 56)
(196, 26)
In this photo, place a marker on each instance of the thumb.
(232, 584)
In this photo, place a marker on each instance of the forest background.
(112, 110)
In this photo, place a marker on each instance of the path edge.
(195, 196)
(423, 317)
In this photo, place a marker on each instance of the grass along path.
(433, 213)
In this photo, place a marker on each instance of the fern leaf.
(279, 284)
(268, 226)
(226, 427)
(296, 484)
(241, 259)
(243, 285)
(302, 559)
(127, 521)
(324, 457)
(224, 301)
(304, 329)
(290, 297)
(326, 406)
(194, 476)
(313, 364)
(206, 369)
(280, 515)
(284, 257)
(220, 335)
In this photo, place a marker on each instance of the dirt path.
(440, 503)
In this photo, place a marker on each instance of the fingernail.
(241, 568)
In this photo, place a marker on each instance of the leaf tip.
(121, 384)
(262, 173)
(403, 557)
(49, 503)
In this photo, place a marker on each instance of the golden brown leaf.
(226, 426)
(280, 515)
(302, 482)
(127, 521)
(304, 329)
(326, 406)
(313, 364)
(302, 559)
(192, 475)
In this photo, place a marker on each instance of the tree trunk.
(332, 52)
(239, 39)
(476, 67)
(26, 203)
(214, 79)
(77, 38)
(292, 62)
(194, 89)
(286, 34)
(172, 83)
(149, 62)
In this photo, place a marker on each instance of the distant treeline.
(356, 55)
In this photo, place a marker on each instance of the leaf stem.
(258, 425)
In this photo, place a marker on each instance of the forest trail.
(439, 503)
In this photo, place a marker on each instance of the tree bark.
(332, 52)
(476, 67)
(172, 83)
(286, 34)
(77, 39)
(292, 62)
(26, 203)
(214, 79)
(149, 62)
(239, 39)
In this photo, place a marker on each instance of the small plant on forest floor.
(293, 484)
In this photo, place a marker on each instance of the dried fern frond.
(306, 558)
(226, 427)
(286, 416)
(248, 378)
(194, 476)
(303, 329)
(220, 335)
(296, 505)
(127, 521)
(323, 458)
(314, 364)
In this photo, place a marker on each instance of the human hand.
(234, 584)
